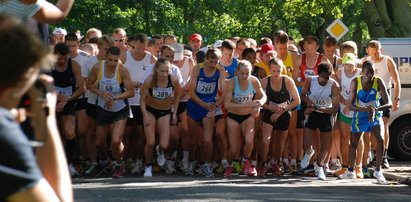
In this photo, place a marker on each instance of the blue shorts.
(195, 111)
(363, 126)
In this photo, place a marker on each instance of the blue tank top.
(367, 98)
(231, 68)
(243, 97)
(207, 87)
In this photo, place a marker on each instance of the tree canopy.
(221, 19)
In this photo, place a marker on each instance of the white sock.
(224, 163)
(185, 155)
(285, 161)
(293, 162)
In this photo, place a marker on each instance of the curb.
(395, 177)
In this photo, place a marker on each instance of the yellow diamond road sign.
(337, 29)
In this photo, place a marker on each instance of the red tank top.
(306, 72)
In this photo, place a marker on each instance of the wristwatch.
(397, 98)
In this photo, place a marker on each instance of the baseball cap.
(196, 36)
(60, 31)
(349, 58)
(178, 51)
(218, 43)
(267, 48)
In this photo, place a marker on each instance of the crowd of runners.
(142, 105)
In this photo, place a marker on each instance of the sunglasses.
(118, 40)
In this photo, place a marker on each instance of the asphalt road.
(178, 187)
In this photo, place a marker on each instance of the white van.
(400, 121)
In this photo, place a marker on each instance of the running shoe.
(366, 173)
(340, 172)
(262, 171)
(238, 168)
(327, 170)
(358, 172)
(247, 167)
(147, 172)
(380, 176)
(347, 175)
(335, 165)
(137, 170)
(220, 169)
(306, 158)
(385, 164)
(208, 171)
(118, 171)
(307, 171)
(94, 170)
(161, 160)
(253, 171)
(184, 165)
(228, 173)
(320, 173)
(293, 169)
(200, 168)
(169, 167)
(73, 171)
(276, 170)
(190, 168)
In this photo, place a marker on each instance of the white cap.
(60, 31)
(218, 43)
(178, 51)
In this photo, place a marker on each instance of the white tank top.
(137, 70)
(345, 89)
(85, 70)
(110, 85)
(382, 71)
(185, 70)
(185, 73)
(321, 95)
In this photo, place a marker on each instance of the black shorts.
(300, 118)
(282, 123)
(81, 104)
(69, 109)
(105, 117)
(158, 113)
(137, 116)
(321, 121)
(238, 118)
(182, 106)
(91, 110)
(385, 112)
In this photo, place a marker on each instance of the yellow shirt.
(267, 69)
(289, 64)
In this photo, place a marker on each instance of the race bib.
(322, 102)
(67, 91)
(283, 105)
(162, 93)
(242, 99)
(366, 104)
(308, 73)
(205, 88)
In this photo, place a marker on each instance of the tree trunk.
(388, 18)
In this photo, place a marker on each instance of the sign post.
(337, 29)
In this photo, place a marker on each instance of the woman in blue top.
(365, 96)
(202, 106)
(243, 100)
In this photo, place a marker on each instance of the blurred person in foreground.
(24, 177)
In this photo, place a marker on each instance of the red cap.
(196, 37)
(266, 48)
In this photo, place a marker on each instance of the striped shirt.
(19, 9)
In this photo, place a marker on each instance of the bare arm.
(292, 88)
(297, 60)
(128, 84)
(81, 86)
(397, 84)
(384, 96)
(53, 14)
